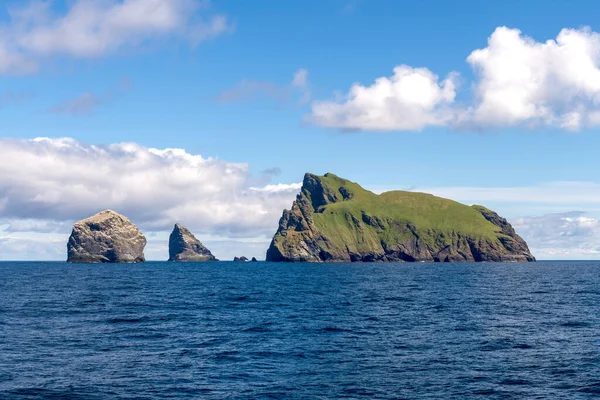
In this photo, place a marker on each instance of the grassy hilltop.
(334, 219)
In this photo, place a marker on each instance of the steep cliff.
(107, 237)
(334, 219)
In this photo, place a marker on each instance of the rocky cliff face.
(183, 246)
(107, 237)
(334, 219)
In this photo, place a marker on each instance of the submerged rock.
(183, 246)
(107, 237)
(334, 219)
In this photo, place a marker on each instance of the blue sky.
(267, 85)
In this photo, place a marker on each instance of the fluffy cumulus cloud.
(571, 235)
(411, 99)
(46, 184)
(522, 81)
(519, 82)
(93, 28)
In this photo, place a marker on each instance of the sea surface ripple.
(299, 331)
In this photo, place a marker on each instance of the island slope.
(334, 219)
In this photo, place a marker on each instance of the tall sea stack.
(183, 246)
(107, 237)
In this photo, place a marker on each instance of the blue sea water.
(299, 331)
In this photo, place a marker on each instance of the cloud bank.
(94, 28)
(571, 235)
(519, 83)
(50, 181)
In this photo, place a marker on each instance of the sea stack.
(334, 219)
(107, 237)
(183, 246)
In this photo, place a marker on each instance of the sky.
(209, 114)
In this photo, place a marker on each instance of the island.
(107, 237)
(184, 247)
(336, 220)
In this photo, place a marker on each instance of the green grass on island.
(436, 220)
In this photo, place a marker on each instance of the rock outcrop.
(184, 247)
(334, 219)
(240, 259)
(254, 259)
(107, 237)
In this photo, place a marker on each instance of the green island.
(334, 219)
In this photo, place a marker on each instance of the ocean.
(299, 331)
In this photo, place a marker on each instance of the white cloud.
(44, 245)
(91, 28)
(58, 180)
(570, 235)
(32, 250)
(300, 82)
(300, 78)
(524, 81)
(280, 187)
(48, 184)
(411, 99)
(519, 83)
(37, 225)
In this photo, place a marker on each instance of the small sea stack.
(184, 247)
(107, 237)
